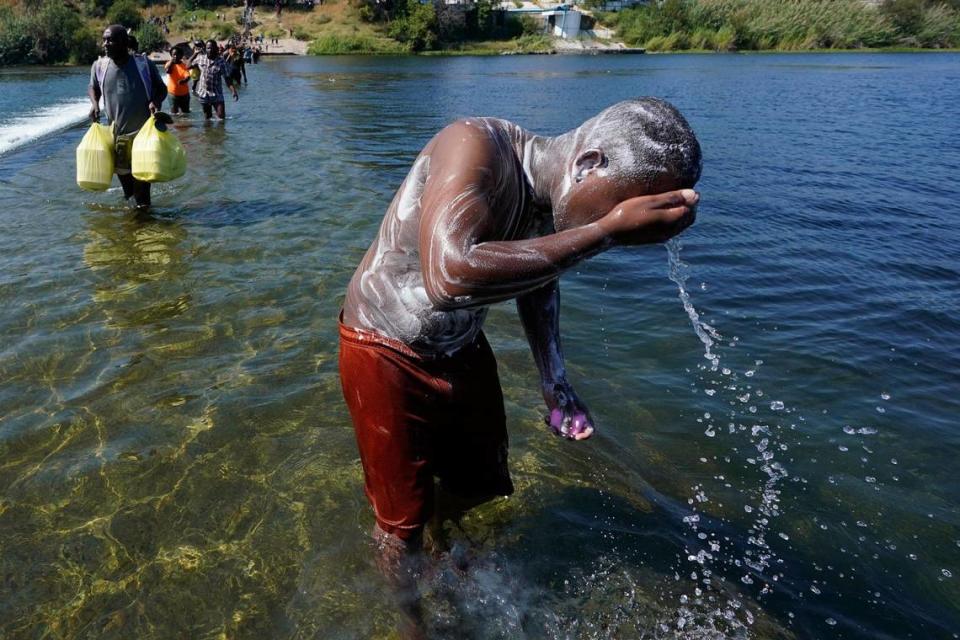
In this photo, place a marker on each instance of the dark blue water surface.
(176, 459)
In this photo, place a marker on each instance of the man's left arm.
(540, 314)
(159, 89)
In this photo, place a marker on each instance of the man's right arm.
(94, 93)
(464, 261)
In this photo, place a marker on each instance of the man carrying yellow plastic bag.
(157, 154)
(132, 91)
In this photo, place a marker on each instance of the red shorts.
(417, 418)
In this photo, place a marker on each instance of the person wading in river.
(214, 70)
(132, 90)
(489, 212)
(178, 81)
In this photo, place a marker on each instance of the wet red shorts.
(417, 418)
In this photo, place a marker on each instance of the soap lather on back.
(388, 295)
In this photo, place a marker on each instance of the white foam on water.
(42, 122)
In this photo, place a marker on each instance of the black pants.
(181, 104)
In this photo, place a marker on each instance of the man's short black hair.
(118, 32)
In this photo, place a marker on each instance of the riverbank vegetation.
(67, 31)
(45, 33)
(788, 25)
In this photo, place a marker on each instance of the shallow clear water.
(176, 459)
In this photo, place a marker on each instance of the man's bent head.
(633, 148)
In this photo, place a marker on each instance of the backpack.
(140, 61)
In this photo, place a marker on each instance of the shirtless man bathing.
(490, 212)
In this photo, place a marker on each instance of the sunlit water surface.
(777, 401)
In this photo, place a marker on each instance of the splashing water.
(753, 558)
(41, 122)
(678, 274)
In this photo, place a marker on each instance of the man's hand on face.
(569, 416)
(649, 219)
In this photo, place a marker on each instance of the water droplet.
(870, 479)
(946, 573)
(881, 410)
(831, 622)
(748, 508)
(885, 396)
(776, 405)
(843, 448)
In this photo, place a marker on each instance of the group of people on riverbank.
(132, 90)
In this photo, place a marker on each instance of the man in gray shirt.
(132, 89)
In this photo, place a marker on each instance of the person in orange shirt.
(178, 79)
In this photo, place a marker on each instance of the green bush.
(150, 38)
(46, 34)
(534, 43)
(125, 12)
(96, 8)
(530, 26)
(416, 26)
(344, 45)
(85, 45)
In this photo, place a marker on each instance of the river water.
(176, 460)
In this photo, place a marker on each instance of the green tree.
(125, 12)
(417, 26)
(46, 32)
(150, 38)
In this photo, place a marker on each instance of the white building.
(563, 22)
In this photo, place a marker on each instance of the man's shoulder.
(470, 145)
(469, 133)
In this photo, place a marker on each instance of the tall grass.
(785, 25)
(356, 44)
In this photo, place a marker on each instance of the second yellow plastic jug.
(157, 156)
(95, 159)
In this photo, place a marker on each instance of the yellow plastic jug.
(157, 156)
(95, 159)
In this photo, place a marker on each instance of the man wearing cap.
(132, 90)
